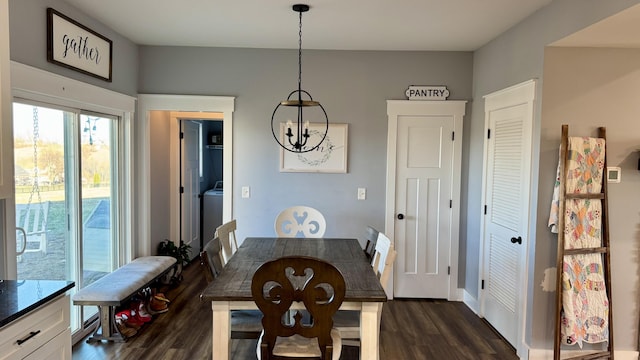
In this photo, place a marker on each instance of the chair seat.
(299, 346)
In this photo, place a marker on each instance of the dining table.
(231, 290)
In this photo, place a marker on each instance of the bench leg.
(107, 329)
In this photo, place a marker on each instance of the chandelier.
(301, 132)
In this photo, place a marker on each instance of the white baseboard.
(544, 354)
(471, 302)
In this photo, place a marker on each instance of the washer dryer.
(211, 212)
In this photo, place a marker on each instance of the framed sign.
(75, 46)
(329, 157)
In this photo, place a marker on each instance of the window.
(66, 195)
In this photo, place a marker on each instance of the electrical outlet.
(246, 192)
(362, 193)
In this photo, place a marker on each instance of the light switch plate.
(246, 192)
(362, 193)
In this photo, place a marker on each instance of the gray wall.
(516, 56)
(28, 31)
(353, 87)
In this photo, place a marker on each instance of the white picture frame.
(329, 157)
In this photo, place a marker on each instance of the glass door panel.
(40, 193)
(65, 209)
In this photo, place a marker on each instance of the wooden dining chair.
(372, 238)
(319, 286)
(348, 321)
(300, 221)
(227, 235)
(245, 324)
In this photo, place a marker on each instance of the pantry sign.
(415, 92)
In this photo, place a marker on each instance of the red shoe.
(142, 313)
(129, 319)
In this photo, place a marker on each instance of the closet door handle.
(516, 240)
(400, 216)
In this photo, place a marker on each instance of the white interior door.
(509, 119)
(426, 199)
(191, 185)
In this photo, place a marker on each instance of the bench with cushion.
(118, 287)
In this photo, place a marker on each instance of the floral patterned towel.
(585, 306)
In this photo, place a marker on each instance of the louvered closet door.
(506, 198)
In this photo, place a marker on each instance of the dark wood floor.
(411, 329)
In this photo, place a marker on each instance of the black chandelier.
(301, 135)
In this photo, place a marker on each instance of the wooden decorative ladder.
(604, 249)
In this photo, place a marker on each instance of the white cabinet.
(6, 122)
(41, 334)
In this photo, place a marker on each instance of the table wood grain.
(234, 282)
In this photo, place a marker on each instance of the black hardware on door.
(400, 216)
(516, 240)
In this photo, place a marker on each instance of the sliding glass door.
(66, 203)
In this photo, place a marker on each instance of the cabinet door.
(6, 125)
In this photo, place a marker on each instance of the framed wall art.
(329, 157)
(75, 46)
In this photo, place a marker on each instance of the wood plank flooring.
(411, 329)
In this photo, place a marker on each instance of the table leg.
(370, 331)
(221, 330)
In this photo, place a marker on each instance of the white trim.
(38, 85)
(173, 103)
(44, 86)
(545, 354)
(523, 93)
(471, 302)
(456, 109)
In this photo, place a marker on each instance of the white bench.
(116, 288)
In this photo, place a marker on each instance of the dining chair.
(315, 283)
(300, 221)
(227, 234)
(372, 237)
(245, 324)
(348, 321)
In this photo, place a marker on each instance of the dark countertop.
(19, 297)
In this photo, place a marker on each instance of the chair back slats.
(372, 238)
(227, 235)
(277, 284)
(300, 221)
(211, 259)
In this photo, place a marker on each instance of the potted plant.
(182, 255)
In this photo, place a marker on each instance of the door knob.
(516, 240)
(400, 216)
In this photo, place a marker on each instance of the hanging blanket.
(585, 306)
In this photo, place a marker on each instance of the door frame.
(175, 165)
(396, 108)
(522, 93)
(177, 104)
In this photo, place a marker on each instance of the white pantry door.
(426, 194)
(508, 122)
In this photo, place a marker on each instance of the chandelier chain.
(300, 55)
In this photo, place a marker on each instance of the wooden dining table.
(231, 290)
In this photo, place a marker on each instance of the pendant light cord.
(300, 58)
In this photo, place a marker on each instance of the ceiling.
(443, 25)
